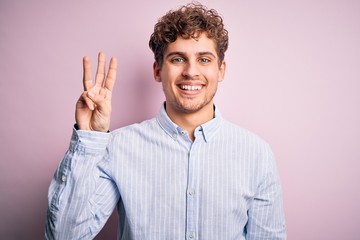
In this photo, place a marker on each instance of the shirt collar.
(207, 130)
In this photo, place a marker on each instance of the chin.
(190, 107)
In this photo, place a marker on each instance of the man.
(187, 173)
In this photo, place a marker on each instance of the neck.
(190, 121)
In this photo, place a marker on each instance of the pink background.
(293, 77)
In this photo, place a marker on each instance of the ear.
(222, 70)
(156, 72)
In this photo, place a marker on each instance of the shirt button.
(191, 235)
(191, 192)
(63, 178)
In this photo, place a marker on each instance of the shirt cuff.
(89, 141)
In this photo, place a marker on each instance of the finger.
(87, 82)
(90, 104)
(100, 72)
(101, 101)
(111, 76)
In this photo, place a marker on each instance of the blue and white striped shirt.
(224, 185)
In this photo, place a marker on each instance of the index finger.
(111, 76)
(87, 82)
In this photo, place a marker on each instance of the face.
(190, 74)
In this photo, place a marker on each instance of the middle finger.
(100, 72)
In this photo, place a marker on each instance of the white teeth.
(190, 88)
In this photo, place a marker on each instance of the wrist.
(76, 126)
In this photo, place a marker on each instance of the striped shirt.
(223, 185)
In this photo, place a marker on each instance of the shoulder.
(245, 140)
(142, 129)
(240, 133)
(250, 145)
(146, 124)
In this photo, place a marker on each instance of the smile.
(191, 87)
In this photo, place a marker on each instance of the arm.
(81, 194)
(266, 213)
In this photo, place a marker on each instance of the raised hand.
(93, 109)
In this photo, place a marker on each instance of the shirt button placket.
(191, 197)
(191, 192)
(191, 235)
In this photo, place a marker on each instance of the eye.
(177, 60)
(204, 60)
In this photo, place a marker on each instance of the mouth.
(191, 88)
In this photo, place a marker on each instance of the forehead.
(192, 45)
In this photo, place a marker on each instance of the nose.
(191, 70)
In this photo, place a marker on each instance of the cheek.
(170, 75)
(167, 82)
(213, 76)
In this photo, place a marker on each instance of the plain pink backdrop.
(293, 77)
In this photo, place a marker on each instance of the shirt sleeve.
(82, 194)
(266, 213)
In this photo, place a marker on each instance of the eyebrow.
(182, 54)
